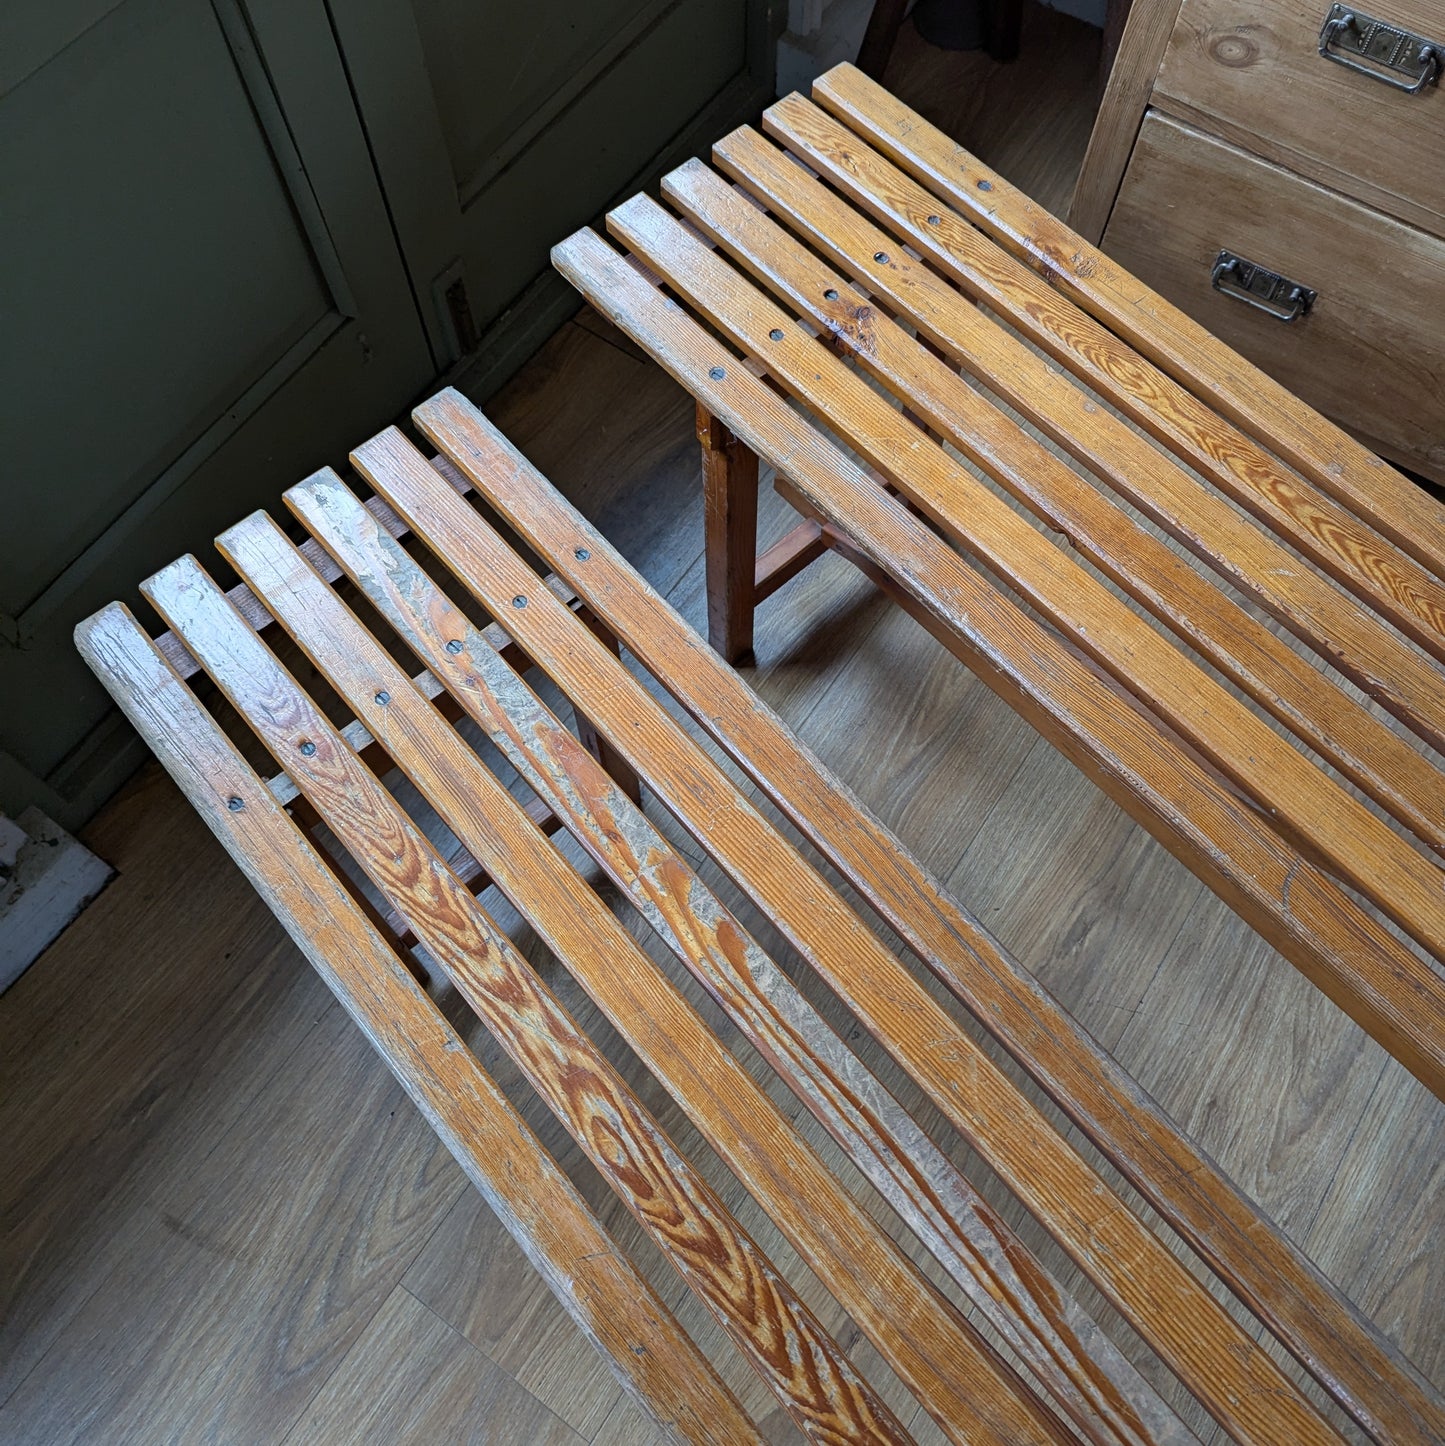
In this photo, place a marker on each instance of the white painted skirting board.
(46, 879)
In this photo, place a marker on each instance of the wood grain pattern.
(917, 1332)
(751, 1301)
(612, 1304)
(1334, 462)
(922, 1336)
(1368, 753)
(159, 1088)
(1305, 804)
(254, 610)
(1234, 72)
(1333, 537)
(1369, 351)
(1346, 550)
(1345, 1353)
(1110, 1244)
(1338, 966)
(1103, 1395)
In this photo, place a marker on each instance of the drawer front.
(1371, 350)
(1254, 74)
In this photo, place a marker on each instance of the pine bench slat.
(1109, 1243)
(1383, 578)
(752, 1301)
(1328, 821)
(1371, 490)
(966, 1236)
(1383, 766)
(1379, 981)
(922, 1338)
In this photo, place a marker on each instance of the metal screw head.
(935, 220)
(716, 373)
(234, 804)
(830, 294)
(582, 554)
(985, 185)
(455, 646)
(308, 748)
(383, 697)
(519, 601)
(880, 256)
(776, 334)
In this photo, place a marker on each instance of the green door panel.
(187, 302)
(202, 301)
(31, 35)
(596, 145)
(499, 129)
(499, 71)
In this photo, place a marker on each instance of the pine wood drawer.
(1371, 351)
(1254, 75)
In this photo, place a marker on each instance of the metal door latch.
(1246, 281)
(1349, 37)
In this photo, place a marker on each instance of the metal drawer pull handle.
(1269, 292)
(1348, 33)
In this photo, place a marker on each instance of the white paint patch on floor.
(46, 879)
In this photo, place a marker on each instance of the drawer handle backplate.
(1349, 37)
(1269, 292)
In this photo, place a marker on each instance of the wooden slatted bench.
(1281, 839)
(1225, 611)
(1071, 1381)
(861, 304)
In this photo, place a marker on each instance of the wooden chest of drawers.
(1272, 134)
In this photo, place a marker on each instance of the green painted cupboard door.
(201, 299)
(500, 128)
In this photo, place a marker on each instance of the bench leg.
(730, 529)
(593, 741)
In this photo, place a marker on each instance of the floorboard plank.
(424, 1383)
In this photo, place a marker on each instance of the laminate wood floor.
(221, 1220)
